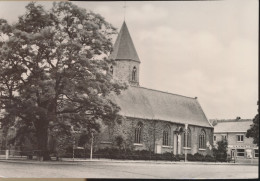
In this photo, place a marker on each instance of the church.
(152, 120)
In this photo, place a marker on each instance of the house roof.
(140, 102)
(233, 126)
(124, 48)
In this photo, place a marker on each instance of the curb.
(76, 162)
(41, 162)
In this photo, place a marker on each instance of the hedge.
(113, 153)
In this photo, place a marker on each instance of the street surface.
(126, 170)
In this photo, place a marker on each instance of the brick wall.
(232, 139)
(123, 71)
(152, 136)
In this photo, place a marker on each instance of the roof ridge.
(244, 120)
(162, 91)
(230, 120)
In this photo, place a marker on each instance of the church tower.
(127, 60)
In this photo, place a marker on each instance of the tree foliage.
(119, 141)
(53, 71)
(253, 131)
(220, 151)
(84, 138)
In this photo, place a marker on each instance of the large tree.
(54, 71)
(253, 131)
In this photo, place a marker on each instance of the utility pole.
(73, 147)
(91, 148)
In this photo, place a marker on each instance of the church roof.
(139, 102)
(233, 126)
(124, 48)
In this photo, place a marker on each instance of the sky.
(204, 49)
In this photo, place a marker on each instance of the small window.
(240, 152)
(256, 153)
(240, 138)
(134, 74)
(214, 138)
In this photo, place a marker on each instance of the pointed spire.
(124, 48)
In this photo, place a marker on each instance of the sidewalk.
(81, 161)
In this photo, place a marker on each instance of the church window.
(111, 70)
(166, 136)
(134, 74)
(188, 139)
(138, 131)
(202, 139)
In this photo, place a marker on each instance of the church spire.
(127, 60)
(124, 48)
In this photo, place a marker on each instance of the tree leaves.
(51, 68)
(254, 130)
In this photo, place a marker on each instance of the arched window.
(188, 138)
(202, 139)
(111, 70)
(134, 74)
(166, 136)
(138, 131)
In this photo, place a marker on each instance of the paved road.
(126, 170)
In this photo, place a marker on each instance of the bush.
(229, 159)
(158, 157)
(199, 157)
(209, 158)
(78, 153)
(119, 141)
(177, 158)
(220, 152)
(167, 156)
(221, 157)
(191, 157)
(182, 157)
(115, 153)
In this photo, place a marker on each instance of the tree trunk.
(42, 139)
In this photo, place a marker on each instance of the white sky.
(204, 49)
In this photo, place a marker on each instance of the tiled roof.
(139, 102)
(233, 126)
(124, 48)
